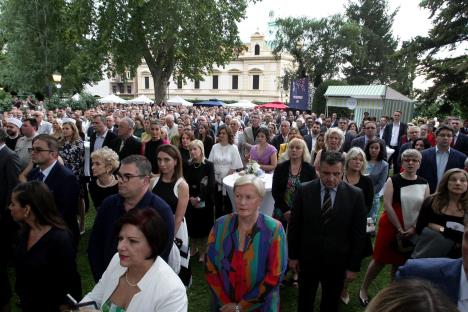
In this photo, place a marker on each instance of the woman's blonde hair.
(199, 144)
(336, 131)
(353, 153)
(411, 153)
(305, 154)
(250, 179)
(108, 157)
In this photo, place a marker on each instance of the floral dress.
(72, 154)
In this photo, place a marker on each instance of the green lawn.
(198, 294)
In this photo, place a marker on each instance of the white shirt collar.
(2, 146)
(104, 135)
(47, 170)
(437, 149)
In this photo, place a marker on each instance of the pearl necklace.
(128, 282)
(112, 182)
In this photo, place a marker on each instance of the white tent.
(142, 99)
(112, 99)
(177, 100)
(76, 97)
(242, 104)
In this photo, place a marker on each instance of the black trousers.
(394, 159)
(331, 281)
(223, 205)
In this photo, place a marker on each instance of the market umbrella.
(273, 105)
(243, 104)
(210, 103)
(112, 99)
(177, 100)
(142, 99)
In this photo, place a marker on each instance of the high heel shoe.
(363, 301)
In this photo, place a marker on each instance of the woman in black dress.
(443, 212)
(45, 256)
(104, 162)
(149, 148)
(185, 139)
(355, 167)
(170, 185)
(206, 138)
(199, 174)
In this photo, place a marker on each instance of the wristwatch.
(441, 229)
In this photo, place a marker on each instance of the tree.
(43, 36)
(317, 45)
(449, 75)
(184, 37)
(320, 102)
(371, 57)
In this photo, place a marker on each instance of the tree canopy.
(44, 36)
(184, 37)
(440, 63)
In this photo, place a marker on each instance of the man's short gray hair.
(129, 121)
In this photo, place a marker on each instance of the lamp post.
(57, 78)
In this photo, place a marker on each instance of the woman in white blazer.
(137, 279)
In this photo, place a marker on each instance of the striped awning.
(361, 103)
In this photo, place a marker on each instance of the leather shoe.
(345, 299)
(363, 302)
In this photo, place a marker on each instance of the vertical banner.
(299, 97)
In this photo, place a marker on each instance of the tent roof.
(142, 99)
(366, 92)
(177, 100)
(112, 98)
(242, 104)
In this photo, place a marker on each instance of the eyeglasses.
(38, 150)
(126, 176)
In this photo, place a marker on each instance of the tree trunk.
(160, 84)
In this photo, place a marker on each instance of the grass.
(198, 294)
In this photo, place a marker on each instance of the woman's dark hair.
(411, 295)
(150, 223)
(228, 132)
(441, 197)
(425, 142)
(367, 149)
(266, 132)
(36, 194)
(173, 152)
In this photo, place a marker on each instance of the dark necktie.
(326, 207)
(40, 176)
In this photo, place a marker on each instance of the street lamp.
(57, 77)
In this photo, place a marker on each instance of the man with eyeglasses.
(133, 181)
(60, 180)
(369, 134)
(326, 234)
(437, 160)
(414, 132)
(24, 143)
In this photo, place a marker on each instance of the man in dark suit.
(127, 144)
(436, 160)
(282, 136)
(392, 136)
(413, 133)
(460, 140)
(349, 135)
(369, 134)
(60, 180)
(450, 275)
(311, 138)
(9, 170)
(101, 136)
(326, 236)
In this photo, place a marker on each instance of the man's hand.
(350, 276)
(294, 265)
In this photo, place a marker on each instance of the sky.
(410, 21)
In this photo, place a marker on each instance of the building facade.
(255, 75)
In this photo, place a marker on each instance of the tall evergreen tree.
(371, 57)
(448, 93)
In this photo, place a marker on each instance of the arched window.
(257, 49)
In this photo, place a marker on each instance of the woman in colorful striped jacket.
(247, 255)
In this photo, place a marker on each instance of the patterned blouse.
(248, 277)
(72, 154)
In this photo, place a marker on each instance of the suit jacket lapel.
(451, 279)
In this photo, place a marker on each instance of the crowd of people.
(154, 174)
